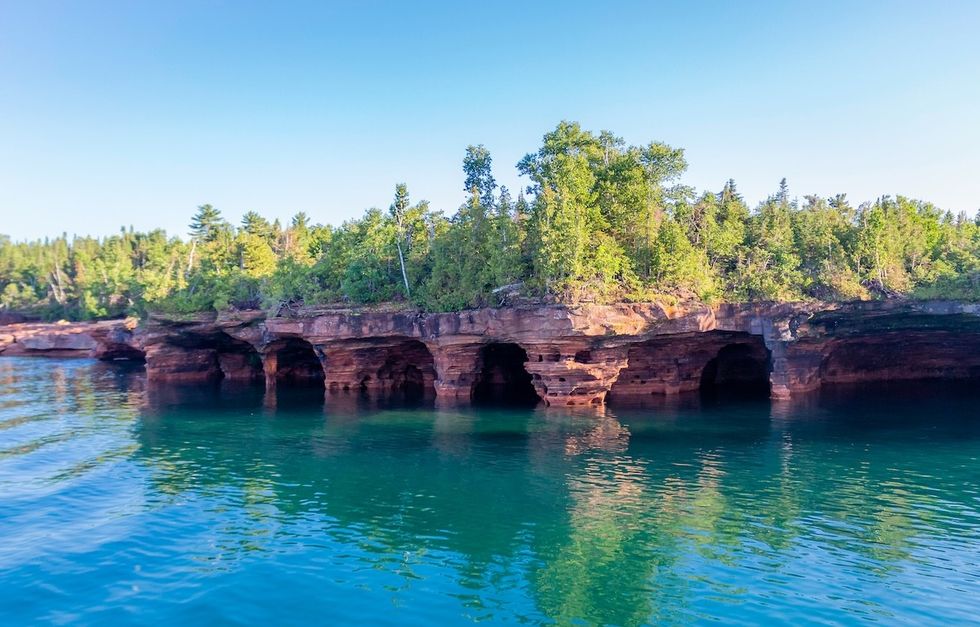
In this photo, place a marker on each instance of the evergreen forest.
(600, 221)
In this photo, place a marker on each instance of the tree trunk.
(401, 260)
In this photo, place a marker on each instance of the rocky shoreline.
(104, 339)
(561, 355)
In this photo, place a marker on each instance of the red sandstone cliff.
(576, 356)
(108, 339)
(563, 355)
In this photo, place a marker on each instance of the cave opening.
(408, 372)
(726, 363)
(503, 380)
(737, 371)
(208, 357)
(297, 363)
(238, 360)
(906, 357)
(123, 352)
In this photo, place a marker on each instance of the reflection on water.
(223, 504)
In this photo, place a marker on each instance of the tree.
(825, 238)
(257, 258)
(398, 210)
(207, 224)
(679, 265)
(601, 220)
(254, 224)
(573, 255)
(770, 268)
(473, 255)
(477, 170)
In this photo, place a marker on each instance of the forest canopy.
(600, 221)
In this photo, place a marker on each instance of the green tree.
(477, 166)
(573, 255)
(602, 220)
(679, 266)
(770, 268)
(257, 258)
(207, 224)
(471, 254)
(398, 209)
(825, 239)
(254, 224)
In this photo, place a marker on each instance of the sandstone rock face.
(385, 366)
(199, 348)
(43, 342)
(875, 341)
(11, 318)
(572, 356)
(103, 340)
(562, 355)
(673, 364)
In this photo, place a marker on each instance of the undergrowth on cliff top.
(600, 221)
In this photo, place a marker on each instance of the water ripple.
(119, 506)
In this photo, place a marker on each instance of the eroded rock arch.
(690, 362)
(502, 378)
(385, 367)
(293, 361)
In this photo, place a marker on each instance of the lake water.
(122, 504)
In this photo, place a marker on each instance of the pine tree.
(254, 224)
(207, 224)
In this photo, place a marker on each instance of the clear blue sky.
(119, 113)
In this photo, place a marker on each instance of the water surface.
(206, 505)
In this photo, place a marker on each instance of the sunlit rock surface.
(564, 356)
(108, 340)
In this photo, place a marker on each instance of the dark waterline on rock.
(123, 502)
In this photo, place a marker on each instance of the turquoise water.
(122, 504)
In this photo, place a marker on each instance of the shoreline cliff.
(561, 355)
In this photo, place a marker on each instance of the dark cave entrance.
(237, 360)
(214, 357)
(737, 371)
(905, 362)
(123, 352)
(503, 380)
(408, 372)
(297, 363)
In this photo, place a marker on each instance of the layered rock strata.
(575, 356)
(107, 340)
(561, 355)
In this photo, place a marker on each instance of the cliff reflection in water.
(621, 517)
(228, 504)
